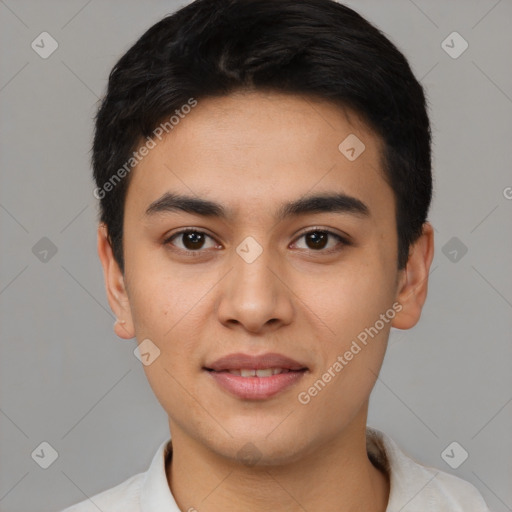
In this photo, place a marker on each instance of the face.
(248, 272)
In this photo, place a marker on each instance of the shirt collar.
(155, 494)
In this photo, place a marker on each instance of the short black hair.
(316, 48)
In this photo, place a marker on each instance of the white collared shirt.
(413, 487)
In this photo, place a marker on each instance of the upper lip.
(245, 361)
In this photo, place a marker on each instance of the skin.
(251, 152)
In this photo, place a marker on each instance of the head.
(291, 142)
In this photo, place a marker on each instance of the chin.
(256, 448)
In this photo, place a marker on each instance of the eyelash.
(187, 252)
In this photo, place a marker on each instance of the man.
(264, 172)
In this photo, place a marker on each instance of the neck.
(335, 476)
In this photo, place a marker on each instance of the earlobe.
(413, 282)
(115, 286)
(121, 331)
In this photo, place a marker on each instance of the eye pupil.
(319, 239)
(193, 240)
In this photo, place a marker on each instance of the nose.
(255, 295)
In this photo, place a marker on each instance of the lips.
(251, 372)
(255, 377)
(262, 362)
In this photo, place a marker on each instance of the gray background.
(65, 377)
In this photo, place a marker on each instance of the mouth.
(253, 372)
(255, 377)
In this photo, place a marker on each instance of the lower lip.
(256, 388)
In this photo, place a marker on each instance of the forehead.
(248, 151)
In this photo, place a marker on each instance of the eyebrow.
(320, 203)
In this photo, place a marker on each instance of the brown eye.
(318, 239)
(193, 240)
(190, 240)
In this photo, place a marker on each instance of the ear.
(413, 281)
(115, 286)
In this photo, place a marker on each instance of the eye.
(321, 240)
(190, 240)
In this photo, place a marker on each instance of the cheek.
(350, 298)
(169, 309)
(159, 299)
(352, 356)
(173, 326)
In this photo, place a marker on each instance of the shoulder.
(415, 487)
(141, 491)
(124, 497)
